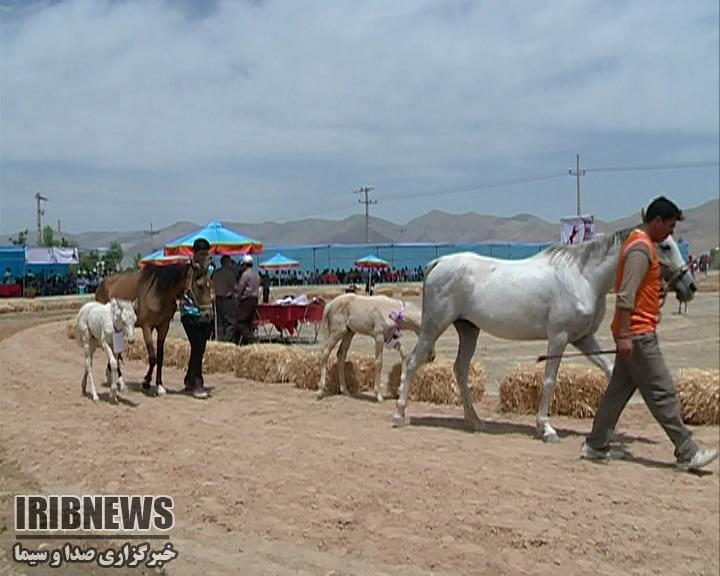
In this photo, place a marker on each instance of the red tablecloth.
(10, 290)
(289, 318)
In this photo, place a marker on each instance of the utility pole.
(365, 190)
(578, 173)
(40, 212)
(152, 233)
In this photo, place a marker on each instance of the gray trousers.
(644, 370)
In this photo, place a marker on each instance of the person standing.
(226, 304)
(248, 288)
(639, 363)
(197, 329)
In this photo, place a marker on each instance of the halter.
(113, 308)
(397, 316)
(679, 273)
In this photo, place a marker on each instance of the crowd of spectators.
(342, 276)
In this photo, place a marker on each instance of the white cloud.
(402, 90)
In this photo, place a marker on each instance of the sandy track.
(267, 480)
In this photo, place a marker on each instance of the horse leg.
(147, 337)
(121, 382)
(87, 368)
(89, 353)
(589, 346)
(379, 344)
(468, 334)
(417, 358)
(556, 346)
(332, 339)
(113, 371)
(341, 357)
(161, 335)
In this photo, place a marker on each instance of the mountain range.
(701, 229)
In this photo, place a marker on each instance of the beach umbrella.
(280, 262)
(222, 241)
(372, 262)
(157, 258)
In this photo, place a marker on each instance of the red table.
(290, 318)
(10, 290)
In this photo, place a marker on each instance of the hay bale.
(71, 328)
(384, 292)
(220, 357)
(435, 382)
(699, 394)
(135, 349)
(327, 296)
(578, 390)
(410, 292)
(267, 362)
(359, 372)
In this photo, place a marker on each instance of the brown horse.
(156, 290)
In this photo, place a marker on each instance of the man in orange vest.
(639, 363)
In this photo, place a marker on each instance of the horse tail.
(325, 322)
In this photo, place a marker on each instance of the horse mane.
(580, 254)
(164, 278)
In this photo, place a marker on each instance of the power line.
(655, 167)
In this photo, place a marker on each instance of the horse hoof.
(320, 394)
(161, 390)
(344, 392)
(379, 397)
(96, 399)
(551, 438)
(398, 421)
(146, 385)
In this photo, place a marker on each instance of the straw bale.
(330, 295)
(435, 382)
(384, 292)
(410, 292)
(220, 357)
(699, 394)
(135, 349)
(267, 362)
(359, 372)
(71, 328)
(176, 352)
(578, 390)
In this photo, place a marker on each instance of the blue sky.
(127, 112)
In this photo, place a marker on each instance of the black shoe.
(200, 393)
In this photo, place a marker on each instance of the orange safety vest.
(645, 314)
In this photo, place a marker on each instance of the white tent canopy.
(51, 255)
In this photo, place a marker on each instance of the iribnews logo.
(117, 513)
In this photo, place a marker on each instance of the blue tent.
(280, 262)
(222, 241)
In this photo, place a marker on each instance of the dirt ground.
(267, 480)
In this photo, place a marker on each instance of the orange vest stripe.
(646, 310)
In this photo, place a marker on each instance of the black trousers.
(245, 329)
(197, 333)
(227, 311)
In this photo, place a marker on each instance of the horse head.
(124, 317)
(675, 272)
(201, 290)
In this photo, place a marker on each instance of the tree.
(21, 239)
(113, 257)
(136, 261)
(48, 236)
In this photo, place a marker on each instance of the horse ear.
(642, 214)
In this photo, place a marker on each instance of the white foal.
(378, 316)
(97, 325)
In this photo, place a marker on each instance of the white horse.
(378, 316)
(97, 324)
(557, 295)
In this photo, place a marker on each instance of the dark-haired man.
(639, 363)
